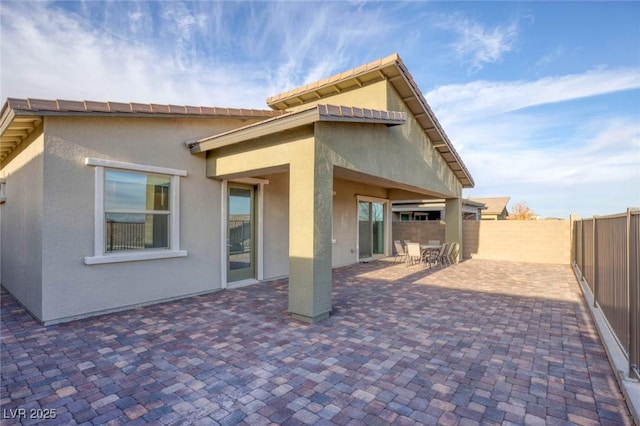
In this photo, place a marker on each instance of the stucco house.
(114, 205)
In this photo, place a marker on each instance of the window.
(420, 216)
(405, 217)
(137, 213)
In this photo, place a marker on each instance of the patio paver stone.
(482, 342)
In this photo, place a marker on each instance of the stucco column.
(453, 225)
(310, 220)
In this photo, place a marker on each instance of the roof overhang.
(292, 120)
(14, 129)
(392, 69)
(20, 117)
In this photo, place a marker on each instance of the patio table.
(424, 248)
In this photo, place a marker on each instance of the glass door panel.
(364, 229)
(371, 229)
(377, 228)
(240, 233)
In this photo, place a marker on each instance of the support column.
(310, 220)
(453, 225)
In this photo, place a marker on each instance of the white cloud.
(590, 150)
(512, 161)
(470, 101)
(211, 53)
(479, 45)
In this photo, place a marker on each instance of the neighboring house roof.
(495, 205)
(19, 117)
(299, 118)
(393, 69)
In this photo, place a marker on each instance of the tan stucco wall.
(388, 153)
(398, 153)
(373, 96)
(345, 222)
(22, 214)
(258, 157)
(536, 241)
(345, 218)
(438, 170)
(276, 226)
(72, 288)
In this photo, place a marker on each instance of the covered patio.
(365, 135)
(482, 342)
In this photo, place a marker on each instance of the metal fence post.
(633, 289)
(594, 266)
(584, 248)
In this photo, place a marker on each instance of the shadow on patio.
(480, 342)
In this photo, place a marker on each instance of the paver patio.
(482, 342)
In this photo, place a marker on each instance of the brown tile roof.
(19, 117)
(298, 118)
(59, 106)
(361, 113)
(279, 101)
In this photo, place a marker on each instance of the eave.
(20, 117)
(318, 113)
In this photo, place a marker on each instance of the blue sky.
(541, 99)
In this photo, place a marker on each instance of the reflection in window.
(371, 222)
(137, 210)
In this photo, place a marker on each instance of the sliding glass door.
(371, 229)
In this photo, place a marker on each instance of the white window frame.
(100, 256)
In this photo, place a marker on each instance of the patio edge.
(619, 364)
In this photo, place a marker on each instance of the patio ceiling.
(397, 191)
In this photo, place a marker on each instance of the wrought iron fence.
(606, 252)
(124, 235)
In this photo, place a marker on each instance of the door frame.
(387, 225)
(259, 231)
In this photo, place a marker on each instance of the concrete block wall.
(418, 231)
(538, 241)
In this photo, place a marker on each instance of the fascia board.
(256, 131)
(7, 119)
(387, 122)
(281, 124)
